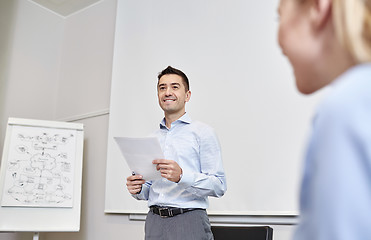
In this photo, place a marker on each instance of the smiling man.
(191, 171)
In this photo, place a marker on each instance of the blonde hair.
(352, 20)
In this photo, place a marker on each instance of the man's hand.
(134, 183)
(169, 169)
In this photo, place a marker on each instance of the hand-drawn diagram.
(40, 167)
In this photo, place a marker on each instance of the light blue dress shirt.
(336, 188)
(195, 147)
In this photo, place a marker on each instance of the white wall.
(57, 68)
(85, 74)
(7, 9)
(29, 72)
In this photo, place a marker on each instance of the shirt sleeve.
(211, 180)
(336, 190)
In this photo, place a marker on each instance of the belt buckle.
(165, 212)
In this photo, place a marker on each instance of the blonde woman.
(328, 43)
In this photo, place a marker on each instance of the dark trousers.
(193, 225)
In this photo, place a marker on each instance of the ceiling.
(65, 7)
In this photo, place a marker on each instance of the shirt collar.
(358, 71)
(184, 119)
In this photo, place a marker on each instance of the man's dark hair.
(171, 70)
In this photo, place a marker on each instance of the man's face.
(172, 94)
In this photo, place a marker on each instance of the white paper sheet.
(40, 167)
(139, 154)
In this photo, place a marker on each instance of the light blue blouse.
(195, 147)
(335, 196)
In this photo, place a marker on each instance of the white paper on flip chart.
(139, 154)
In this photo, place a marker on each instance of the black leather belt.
(170, 211)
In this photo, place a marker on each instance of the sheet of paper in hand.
(139, 154)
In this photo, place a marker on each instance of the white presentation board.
(241, 85)
(40, 178)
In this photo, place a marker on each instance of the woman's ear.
(320, 13)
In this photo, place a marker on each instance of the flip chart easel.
(39, 156)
